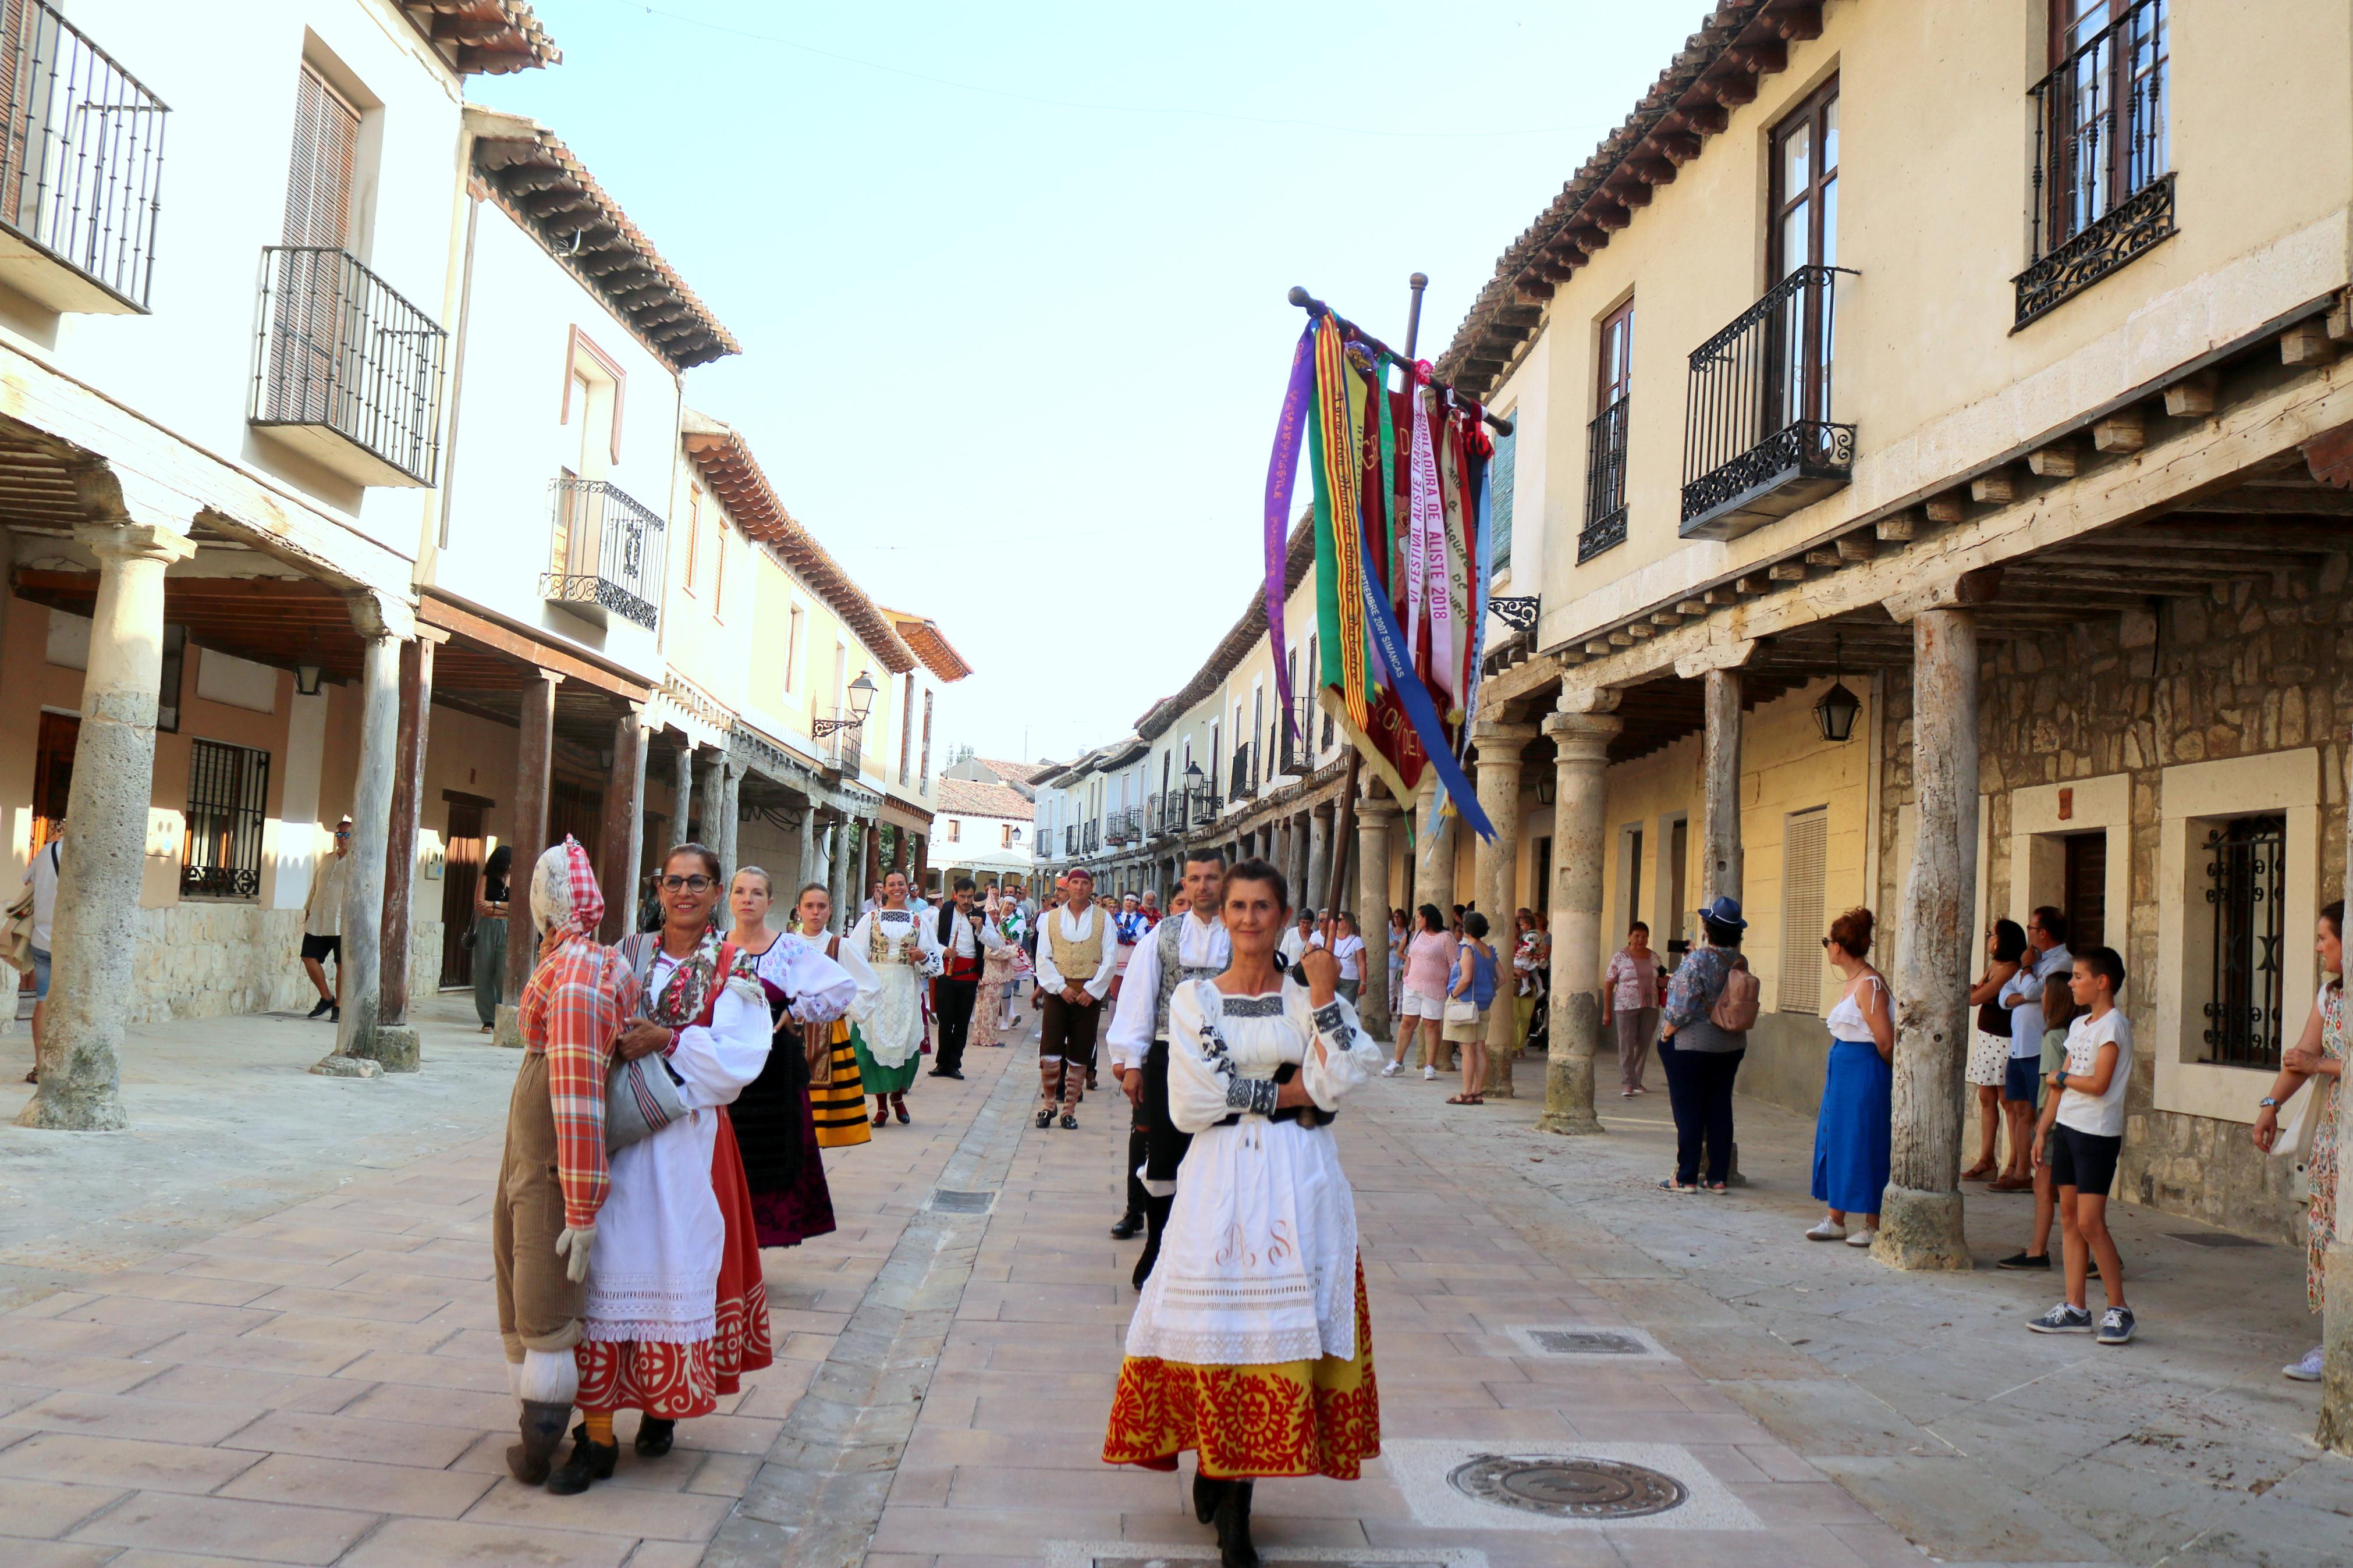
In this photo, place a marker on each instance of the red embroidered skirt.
(1317, 1417)
(742, 1343)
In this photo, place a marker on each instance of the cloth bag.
(17, 940)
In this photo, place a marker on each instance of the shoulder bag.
(641, 1097)
(1736, 1006)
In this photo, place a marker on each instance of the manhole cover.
(2214, 1238)
(1569, 1488)
(947, 1202)
(1587, 1342)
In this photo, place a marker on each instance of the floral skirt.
(1319, 1417)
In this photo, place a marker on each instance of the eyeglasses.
(343, 833)
(695, 884)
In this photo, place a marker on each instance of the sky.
(1010, 280)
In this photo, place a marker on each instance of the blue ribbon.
(1414, 698)
(1282, 469)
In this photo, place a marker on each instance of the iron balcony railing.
(1206, 805)
(842, 751)
(1092, 838)
(1123, 826)
(340, 349)
(1242, 781)
(1151, 822)
(1605, 482)
(1069, 839)
(2102, 177)
(1759, 440)
(606, 549)
(82, 162)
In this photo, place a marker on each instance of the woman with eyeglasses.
(903, 952)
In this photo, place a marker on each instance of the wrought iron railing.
(1759, 402)
(843, 751)
(1069, 839)
(1242, 772)
(1092, 837)
(2246, 899)
(1205, 804)
(339, 348)
(2102, 177)
(606, 549)
(1605, 482)
(1123, 826)
(1154, 816)
(81, 161)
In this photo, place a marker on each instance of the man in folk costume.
(1189, 946)
(1075, 946)
(965, 942)
(552, 1180)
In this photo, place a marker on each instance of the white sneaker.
(1392, 1069)
(1861, 1237)
(1828, 1230)
(2304, 1370)
(1430, 1074)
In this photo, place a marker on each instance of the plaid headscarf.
(565, 895)
(578, 1000)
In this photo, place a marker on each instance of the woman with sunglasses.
(1851, 1134)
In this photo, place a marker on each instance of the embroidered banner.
(1339, 406)
(1414, 698)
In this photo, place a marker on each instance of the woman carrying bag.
(1468, 997)
(1703, 1034)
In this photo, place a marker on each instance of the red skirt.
(742, 1343)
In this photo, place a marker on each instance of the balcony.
(1758, 442)
(1206, 805)
(1123, 826)
(1069, 839)
(605, 553)
(1605, 482)
(81, 168)
(2102, 177)
(344, 369)
(841, 751)
(1242, 781)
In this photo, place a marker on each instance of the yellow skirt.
(1319, 1417)
(839, 1106)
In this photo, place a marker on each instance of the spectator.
(41, 875)
(1853, 1128)
(487, 939)
(1531, 976)
(2319, 1053)
(1150, 905)
(1989, 1042)
(1428, 958)
(2046, 955)
(2058, 1013)
(1702, 1058)
(1401, 935)
(1348, 947)
(1299, 938)
(323, 925)
(2089, 1134)
(1630, 1001)
(1473, 985)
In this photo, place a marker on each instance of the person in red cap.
(1075, 948)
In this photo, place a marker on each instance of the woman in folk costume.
(997, 971)
(1251, 1344)
(552, 1179)
(903, 952)
(676, 1309)
(775, 1124)
(837, 1100)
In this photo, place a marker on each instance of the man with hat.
(322, 924)
(1076, 946)
(1702, 1057)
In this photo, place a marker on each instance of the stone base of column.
(2335, 1429)
(1569, 1097)
(507, 1030)
(68, 1109)
(345, 1066)
(396, 1047)
(1921, 1230)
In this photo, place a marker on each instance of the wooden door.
(577, 809)
(461, 875)
(53, 760)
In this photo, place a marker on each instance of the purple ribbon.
(1281, 468)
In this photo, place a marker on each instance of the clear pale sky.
(1014, 335)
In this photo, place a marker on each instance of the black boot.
(1130, 1225)
(589, 1462)
(654, 1437)
(1206, 1494)
(542, 1426)
(1156, 1220)
(1232, 1520)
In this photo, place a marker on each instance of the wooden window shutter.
(324, 165)
(1805, 847)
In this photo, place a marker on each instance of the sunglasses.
(694, 884)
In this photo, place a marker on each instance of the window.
(1605, 439)
(2246, 898)
(1499, 500)
(1805, 234)
(718, 564)
(1540, 873)
(324, 167)
(955, 833)
(229, 796)
(693, 534)
(1804, 845)
(176, 659)
(907, 727)
(2102, 181)
(795, 635)
(1012, 836)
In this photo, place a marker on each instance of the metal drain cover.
(1569, 1488)
(948, 1202)
(1587, 1342)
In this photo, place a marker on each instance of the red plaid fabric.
(577, 1003)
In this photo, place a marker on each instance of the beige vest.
(1077, 962)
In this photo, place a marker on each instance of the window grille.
(1804, 847)
(229, 796)
(2246, 894)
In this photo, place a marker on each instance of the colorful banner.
(1339, 409)
(1282, 469)
(1415, 698)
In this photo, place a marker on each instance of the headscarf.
(564, 892)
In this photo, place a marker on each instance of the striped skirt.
(839, 1106)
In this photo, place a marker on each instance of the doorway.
(461, 875)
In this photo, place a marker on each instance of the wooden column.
(408, 803)
(1376, 818)
(534, 754)
(1499, 797)
(1579, 830)
(623, 825)
(2335, 1429)
(1720, 786)
(869, 856)
(1920, 1216)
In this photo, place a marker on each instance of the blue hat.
(1724, 911)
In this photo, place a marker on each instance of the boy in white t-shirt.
(2087, 1137)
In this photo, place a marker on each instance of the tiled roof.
(1015, 773)
(931, 645)
(483, 37)
(975, 798)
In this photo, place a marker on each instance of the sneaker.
(1392, 1069)
(1861, 1237)
(2304, 1370)
(2116, 1326)
(2025, 1260)
(2062, 1318)
(320, 1010)
(1430, 1074)
(1828, 1230)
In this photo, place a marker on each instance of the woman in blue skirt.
(1851, 1134)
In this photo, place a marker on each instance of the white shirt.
(41, 875)
(2101, 1115)
(817, 989)
(960, 937)
(1349, 951)
(1076, 928)
(323, 913)
(713, 1063)
(1200, 944)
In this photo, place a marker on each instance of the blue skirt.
(1851, 1134)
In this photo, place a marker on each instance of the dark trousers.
(1066, 1049)
(1164, 1151)
(952, 1006)
(1699, 1091)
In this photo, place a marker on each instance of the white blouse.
(1223, 1051)
(817, 989)
(713, 1063)
(865, 984)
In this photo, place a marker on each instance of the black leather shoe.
(592, 1462)
(1046, 1117)
(541, 1427)
(1070, 1122)
(320, 1010)
(654, 1437)
(1129, 1227)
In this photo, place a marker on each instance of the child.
(2058, 1011)
(2088, 1132)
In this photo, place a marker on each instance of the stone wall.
(197, 959)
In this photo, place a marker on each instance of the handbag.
(639, 1102)
(1461, 1010)
(1993, 1018)
(16, 942)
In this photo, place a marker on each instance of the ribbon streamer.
(1281, 470)
(1414, 698)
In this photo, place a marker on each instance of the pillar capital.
(1588, 700)
(1960, 593)
(1583, 737)
(1379, 807)
(115, 498)
(1493, 732)
(1731, 654)
(134, 542)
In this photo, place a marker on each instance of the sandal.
(1672, 1185)
(1461, 1100)
(1979, 1173)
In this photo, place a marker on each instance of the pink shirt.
(1632, 986)
(1428, 959)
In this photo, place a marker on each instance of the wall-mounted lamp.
(306, 679)
(861, 702)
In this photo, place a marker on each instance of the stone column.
(1920, 1217)
(1319, 853)
(1579, 829)
(681, 799)
(845, 899)
(400, 843)
(2335, 1429)
(1499, 797)
(96, 930)
(534, 755)
(710, 796)
(624, 824)
(1377, 817)
(1722, 872)
(1433, 848)
(362, 1046)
